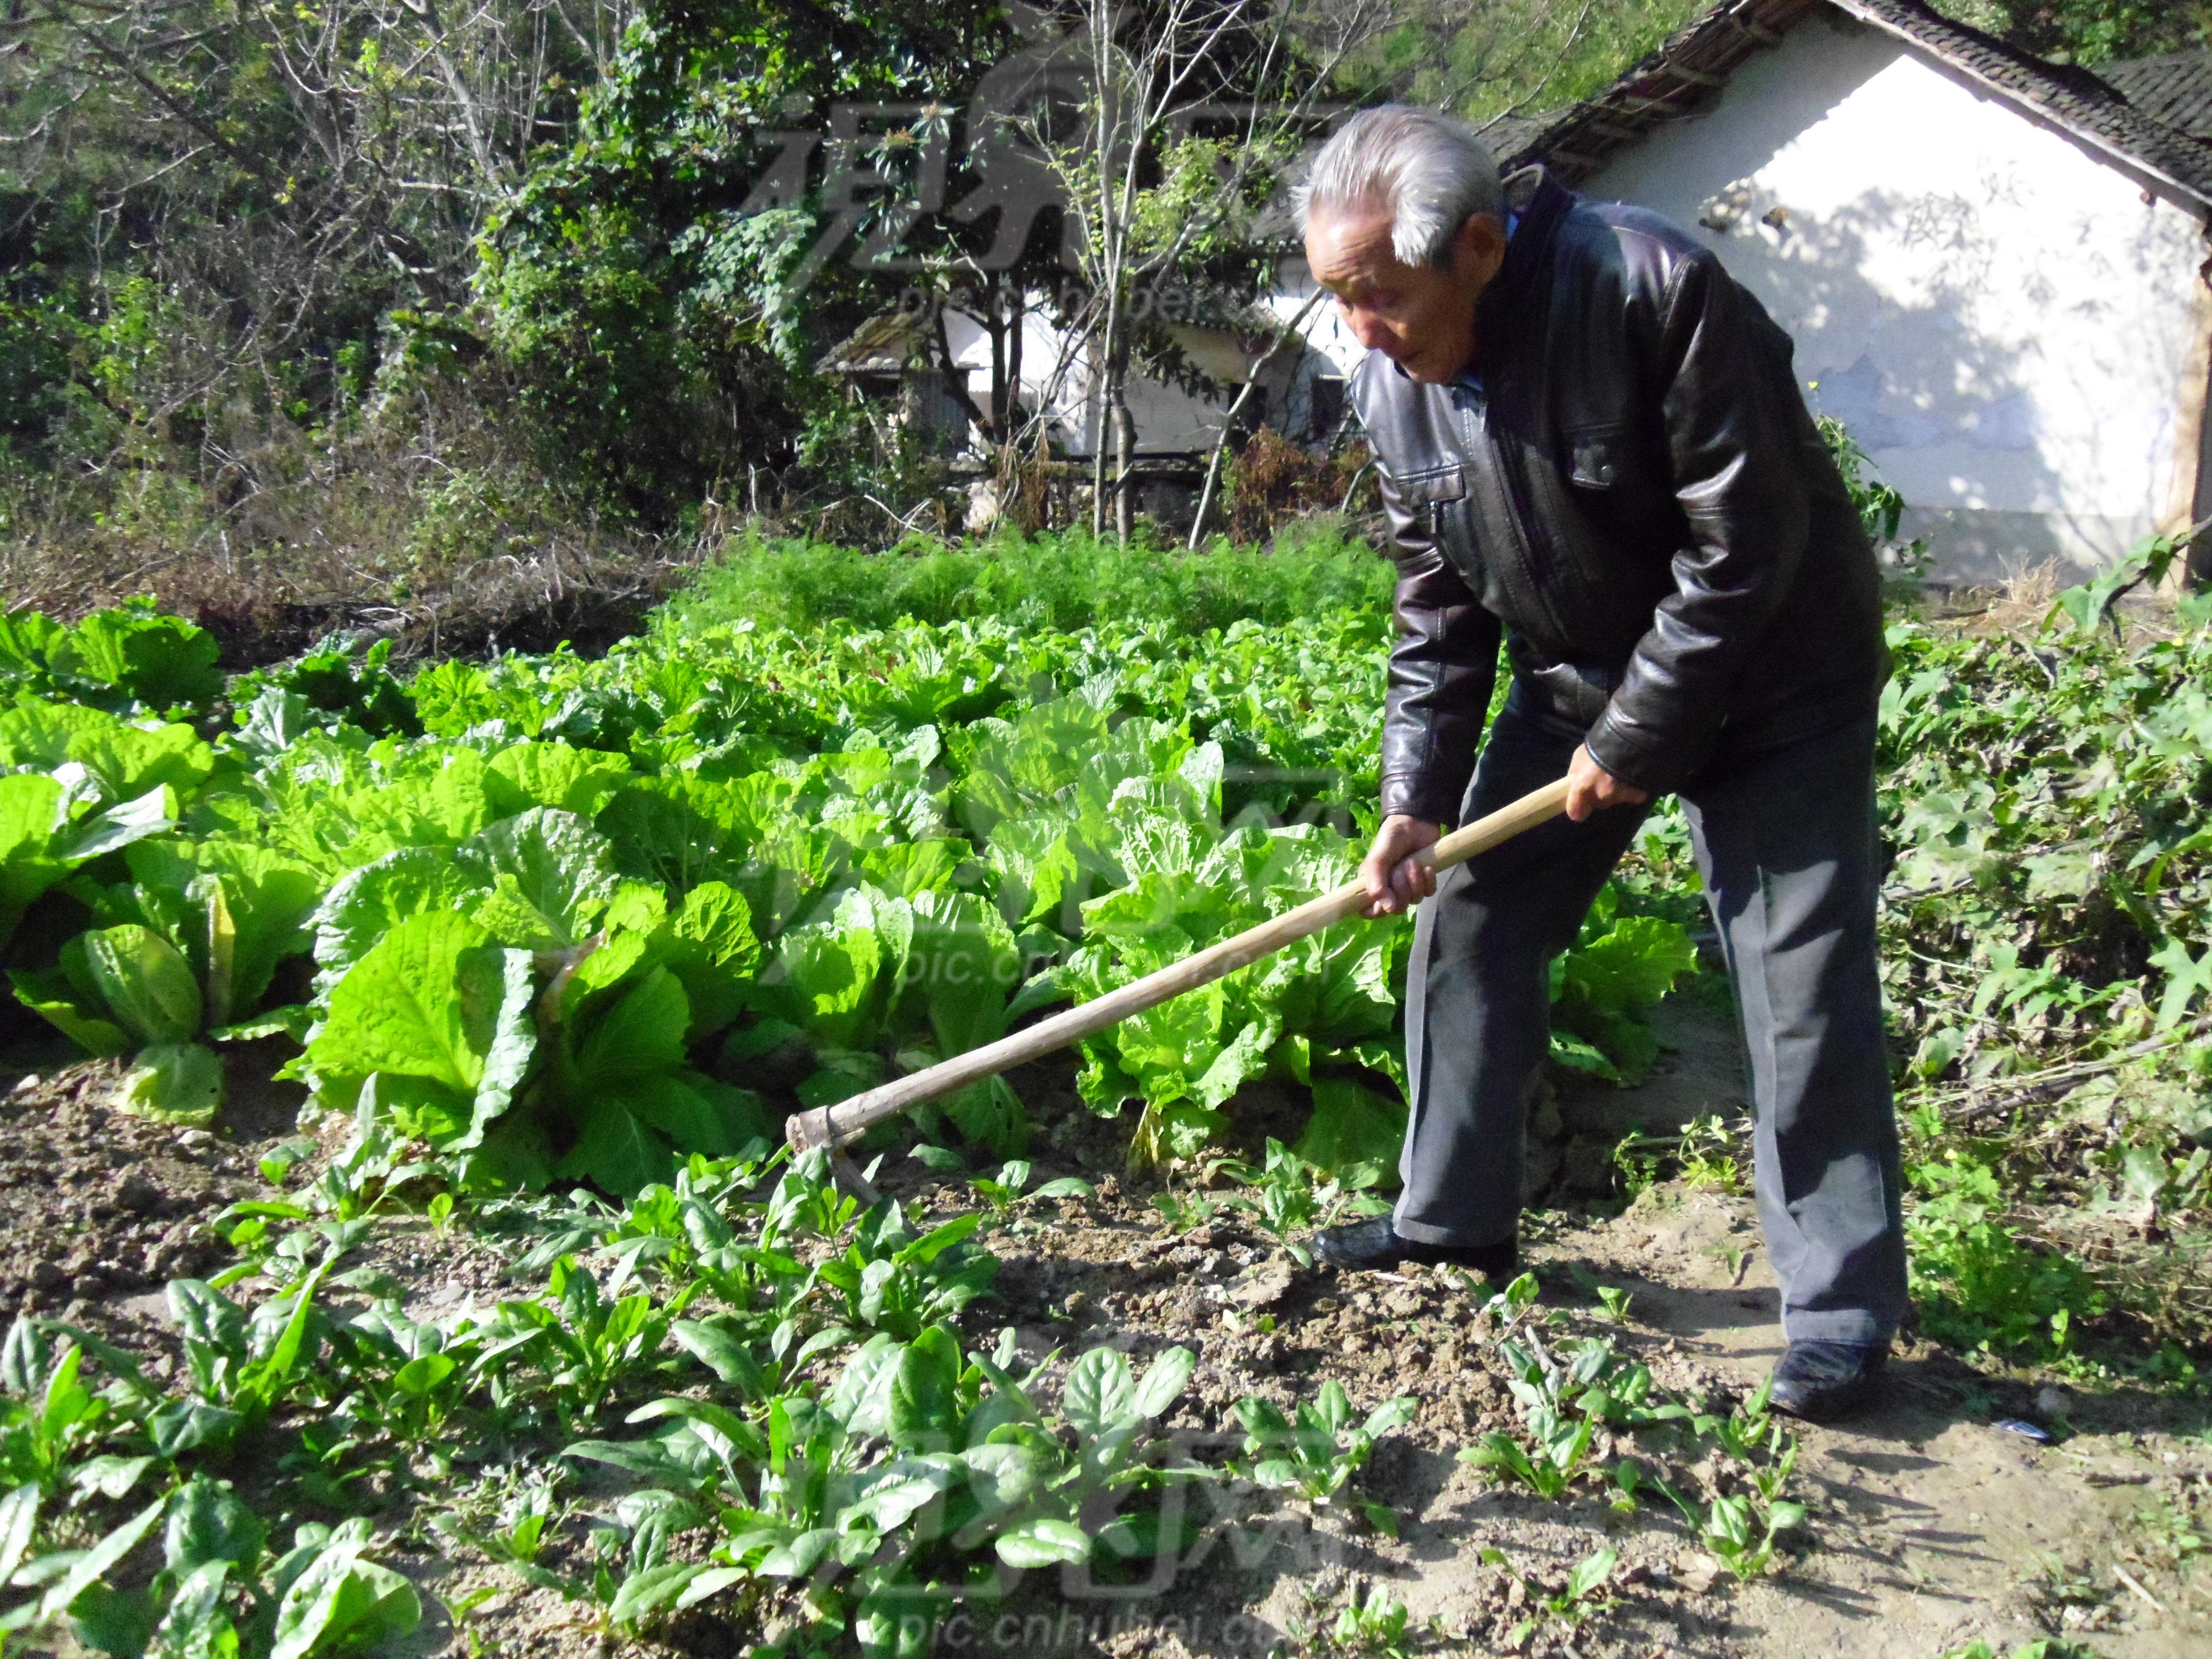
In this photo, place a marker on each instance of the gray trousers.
(1784, 840)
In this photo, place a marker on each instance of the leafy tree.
(1486, 58)
(211, 208)
(2090, 31)
(643, 278)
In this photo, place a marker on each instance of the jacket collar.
(1543, 202)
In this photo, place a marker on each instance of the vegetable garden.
(542, 950)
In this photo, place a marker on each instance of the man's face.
(1419, 317)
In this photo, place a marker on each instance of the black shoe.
(1821, 1381)
(1375, 1243)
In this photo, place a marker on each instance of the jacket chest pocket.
(1618, 477)
(1596, 459)
(1431, 496)
(1608, 486)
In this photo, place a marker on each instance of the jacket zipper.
(1525, 533)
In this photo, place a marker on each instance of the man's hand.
(1589, 786)
(1393, 881)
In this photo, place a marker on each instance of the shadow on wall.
(1942, 411)
(2002, 446)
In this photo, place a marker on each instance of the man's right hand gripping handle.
(1393, 881)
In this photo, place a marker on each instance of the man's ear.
(1479, 248)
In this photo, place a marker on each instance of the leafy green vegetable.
(877, 849)
(1318, 1452)
(162, 662)
(177, 1082)
(42, 839)
(442, 1011)
(1351, 1127)
(549, 873)
(121, 759)
(338, 1603)
(237, 910)
(1620, 966)
(118, 988)
(125, 659)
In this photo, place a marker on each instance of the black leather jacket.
(1637, 498)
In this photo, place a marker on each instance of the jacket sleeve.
(1732, 439)
(1441, 670)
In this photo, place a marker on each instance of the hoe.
(834, 1126)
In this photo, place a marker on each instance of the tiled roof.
(1510, 135)
(2176, 89)
(1685, 73)
(1678, 80)
(890, 343)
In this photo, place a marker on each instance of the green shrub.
(1065, 579)
(1978, 1282)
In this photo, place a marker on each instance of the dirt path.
(1929, 1526)
(1932, 1526)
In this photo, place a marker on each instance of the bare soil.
(585, 590)
(1929, 1525)
(99, 1210)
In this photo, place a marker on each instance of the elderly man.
(1593, 450)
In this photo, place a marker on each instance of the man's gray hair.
(1428, 171)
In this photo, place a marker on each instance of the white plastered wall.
(1170, 421)
(2011, 330)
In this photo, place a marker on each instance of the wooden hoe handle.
(836, 1126)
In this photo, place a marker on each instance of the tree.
(586, 252)
(213, 207)
(1189, 112)
(2090, 31)
(660, 281)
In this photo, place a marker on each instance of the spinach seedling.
(587, 1344)
(1318, 1453)
(888, 1279)
(1377, 1626)
(1739, 1530)
(48, 1417)
(1004, 1194)
(1575, 1601)
(239, 1368)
